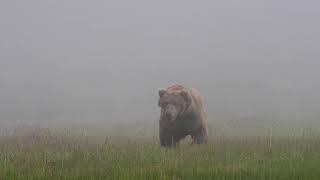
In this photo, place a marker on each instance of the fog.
(97, 62)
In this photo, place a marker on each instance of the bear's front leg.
(167, 140)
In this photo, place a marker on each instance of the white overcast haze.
(76, 61)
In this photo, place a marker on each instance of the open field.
(60, 154)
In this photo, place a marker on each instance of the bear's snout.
(168, 116)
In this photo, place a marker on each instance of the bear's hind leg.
(200, 137)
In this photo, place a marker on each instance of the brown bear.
(182, 114)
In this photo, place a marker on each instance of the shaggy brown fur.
(182, 114)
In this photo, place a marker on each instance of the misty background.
(99, 62)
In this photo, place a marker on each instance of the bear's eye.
(165, 104)
(172, 103)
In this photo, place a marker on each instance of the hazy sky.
(103, 61)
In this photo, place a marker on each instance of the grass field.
(51, 154)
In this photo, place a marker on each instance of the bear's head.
(173, 103)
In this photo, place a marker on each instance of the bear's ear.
(186, 97)
(162, 92)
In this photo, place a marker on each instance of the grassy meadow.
(65, 154)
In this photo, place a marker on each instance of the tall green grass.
(62, 154)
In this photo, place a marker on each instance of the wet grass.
(63, 155)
